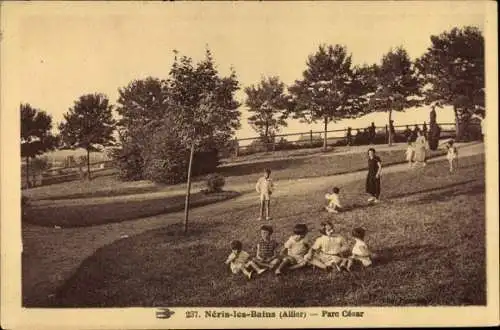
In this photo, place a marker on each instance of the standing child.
(294, 250)
(265, 187)
(238, 260)
(410, 153)
(266, 249)
(328, 249)
(452, 155)
(360, 251)
(333, 201)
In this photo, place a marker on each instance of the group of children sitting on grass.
(329, 251)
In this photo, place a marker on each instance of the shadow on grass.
(68, 216)
(403, 252)
(253, 168)
(449, 194)
(423, 191)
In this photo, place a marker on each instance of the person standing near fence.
(265, 187)
(373, 177)
(372, 133)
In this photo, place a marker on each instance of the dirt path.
(52, 255)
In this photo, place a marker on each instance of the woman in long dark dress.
(373, 178)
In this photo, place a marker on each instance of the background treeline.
(156, 120)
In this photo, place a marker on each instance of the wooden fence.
(64, 174)
(339, 137)
(311, 139)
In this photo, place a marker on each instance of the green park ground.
(112, 244)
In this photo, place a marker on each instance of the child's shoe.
(260, 271)
(269, 218)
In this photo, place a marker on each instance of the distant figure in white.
(410, 153)
(333, 199)
(420, 149)
(265, 188)
(451, 155)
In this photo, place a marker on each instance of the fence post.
(386, 134)
(311, 137)
(236, 147)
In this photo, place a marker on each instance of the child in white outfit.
(328, 250)
(452, 155)
(410, 153)
(265, 188)
(333, 201)
(360, 251)
(294, 250)
(239, 261)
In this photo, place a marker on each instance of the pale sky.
(53, 52)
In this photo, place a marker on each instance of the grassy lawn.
(236, 174)
(429, 231)
(90, 215)
(296, 168)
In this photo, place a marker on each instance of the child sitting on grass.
(238, 261)
(294, 250)
(328, 250)
(360, 252)
(267, 247)
(333, 201)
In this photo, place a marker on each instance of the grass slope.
(429, 231)
(97, 214)
(245, 173)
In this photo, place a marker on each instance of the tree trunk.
(390, 130)
(325, 138)
(266, 138)
(188, 193)
(28, 185)
(88, 164)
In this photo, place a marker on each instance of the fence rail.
(64, 174)
(335, 137)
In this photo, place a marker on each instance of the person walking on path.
(420, 149)
(373, 177)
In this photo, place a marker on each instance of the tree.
(194, 98)
(141, 104)
(398, 86)
(36, 136)
(453, 72)
(89, 124)
(268, 103)
(325, 92)
(204, 100)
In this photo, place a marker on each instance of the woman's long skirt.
(373, 185)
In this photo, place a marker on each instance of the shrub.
(129, 161)
(215, 183)
(205, 161)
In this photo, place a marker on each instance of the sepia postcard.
(252, 164)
